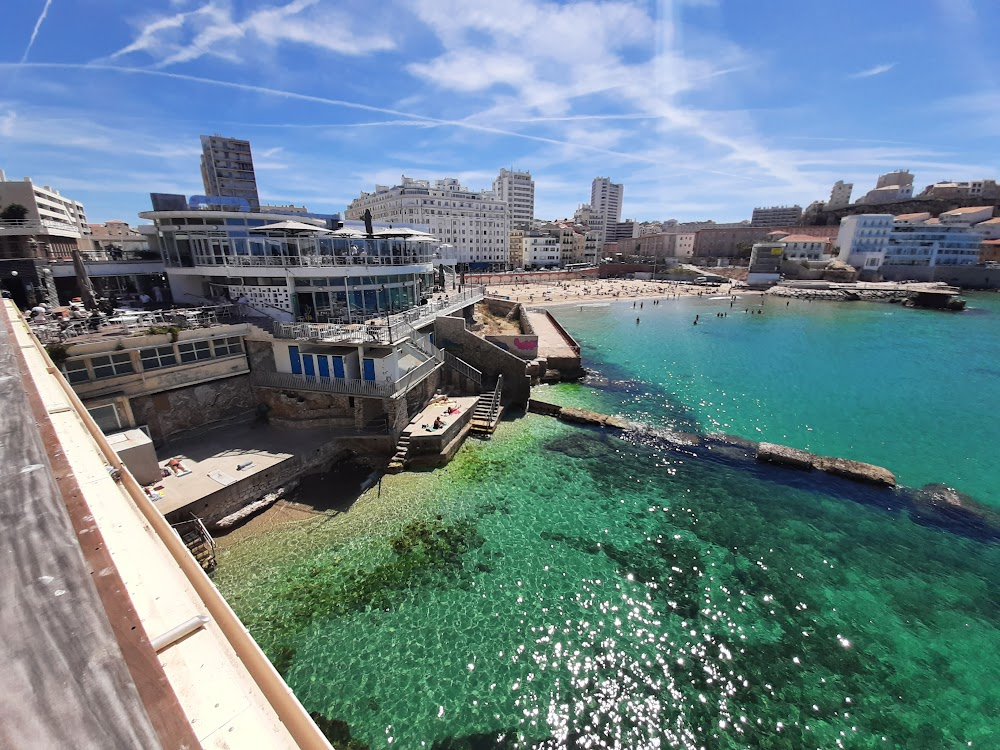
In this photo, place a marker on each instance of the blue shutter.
(369, 369)
(324, 365)
(293, 355)
(338, 367)
(308, 366)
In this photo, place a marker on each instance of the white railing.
(414, 376)
(374, 389)
(319, 383)
(309, 261)
(379, 330)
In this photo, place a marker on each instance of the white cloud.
(34, 32)
(877, 70)
(215, 30)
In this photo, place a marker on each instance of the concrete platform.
(216, 455)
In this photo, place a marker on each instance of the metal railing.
(463, 368)
(322, 384)
(370, 388)
(310, 261)
(379, 330)
(495, 401)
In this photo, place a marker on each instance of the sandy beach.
(603, 290)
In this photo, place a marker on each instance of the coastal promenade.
(552, 343)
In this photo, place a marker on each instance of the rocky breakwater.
(841, 467)
(577, 416)
(935, 505)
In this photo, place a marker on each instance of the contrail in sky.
(34, 33)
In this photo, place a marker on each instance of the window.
(76, 371)
(106, 417)
(157, 357)
(227, 346)
(112, 364)
(194, 350)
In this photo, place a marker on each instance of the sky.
(703, 109)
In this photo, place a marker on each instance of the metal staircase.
(197, 539)
(488, 411)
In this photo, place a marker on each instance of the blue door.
(338, 367)
(308, 367)
(369, 369)
(293, 355)
(324, 365)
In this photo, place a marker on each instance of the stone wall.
(452, 335)
(227, 500)
(260, 355)
(306, 408)
(183, 409)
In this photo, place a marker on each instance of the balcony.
(344, 386)
(386, 331)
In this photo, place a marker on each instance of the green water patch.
(556, 587)
(910, 390)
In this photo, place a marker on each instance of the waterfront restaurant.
(306, 267)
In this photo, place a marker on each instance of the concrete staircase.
(398, 462)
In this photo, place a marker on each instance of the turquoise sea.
(559, 586)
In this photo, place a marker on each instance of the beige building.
(776, 216)
(474, 223)
(840, 195)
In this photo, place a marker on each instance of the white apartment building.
(862, 240)
(46, 207)
(475, 224)
(227, 169)
(605, 205)
(949, 240)
(840, 195)
(542, 250)
(803, 247)
(517, 189)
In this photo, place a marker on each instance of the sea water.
(559, 586)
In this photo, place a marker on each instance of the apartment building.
(776, 216)
(840, 194)
(517, 189)
(227, 169)
(474, 223)
(862, 240)
(605, 205)
(949, 240)
(40, 225)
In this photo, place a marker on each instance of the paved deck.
(551, 342)
(223, 450)
(65, 682)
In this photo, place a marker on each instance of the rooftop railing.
(383, 330)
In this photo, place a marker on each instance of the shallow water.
(912, 390)
(563, 587)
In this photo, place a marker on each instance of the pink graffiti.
(526, 344)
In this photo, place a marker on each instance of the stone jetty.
(841, 467)
(782, 455)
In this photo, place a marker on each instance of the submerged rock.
(785, 456)
(857, 470)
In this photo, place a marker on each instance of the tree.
(14, 212)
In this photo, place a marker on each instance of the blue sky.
(702, 108)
